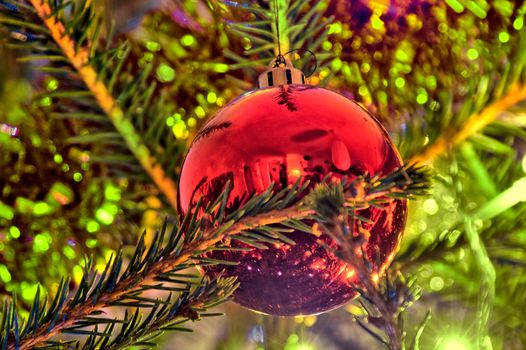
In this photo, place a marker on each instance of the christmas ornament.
(276, 134)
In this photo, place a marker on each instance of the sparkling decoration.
(277, 135)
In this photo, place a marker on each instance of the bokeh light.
(454, 343)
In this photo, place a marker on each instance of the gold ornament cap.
(280, 72)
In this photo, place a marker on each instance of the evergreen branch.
(300, 27)
(383, 299)
(136, 283)
(158, 267)
(333, 208)
(475, 123)
(80, 60)
(384, 311)
(171, 315)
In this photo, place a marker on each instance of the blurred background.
(430, 70)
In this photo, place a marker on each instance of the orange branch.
(80, 61)
(474, 124)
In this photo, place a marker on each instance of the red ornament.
(276, 135)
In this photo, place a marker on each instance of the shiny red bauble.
(276, 135)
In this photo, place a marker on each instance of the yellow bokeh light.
(454, 343)
(375, 277)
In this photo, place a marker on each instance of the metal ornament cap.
(280, 72)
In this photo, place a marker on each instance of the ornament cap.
(280, 72)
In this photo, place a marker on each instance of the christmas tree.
(99, 104)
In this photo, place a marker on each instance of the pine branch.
(80, 60)
(157, 267)
(474, 124)
(383, 299)
(388, 299)
(301, 26)
(136, 283)
(388, 320)
(167, 315)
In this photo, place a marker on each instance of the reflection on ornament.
(276, 135)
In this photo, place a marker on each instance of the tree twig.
(475, 123)
(79, 59)
(134, 283)
(388, 322)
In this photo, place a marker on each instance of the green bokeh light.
(14, 232)
(69, 252)
(336, 64)
(335, 28)
(473, 54)
(518, 24)
(112, 192)
(455, 5)
(326, 45)
(92, 226)
(422, 98)
(52, 84)
(221, 67)
(42, 242)
(430, 206)
(5, 275)
(165, 73)
(405, 52)
(293, 343)
(436, 283)
(504, 37)
(104, 216)
(77, 177)
(211, 97)
(91, 243)
(431, 82)
(42, 208)
(400, 82)
(6, 211)
(188, 40)
(148, 57)
(363, 91)
(28, 290)
(200, 112)
(46, 101)
(476, 9)
(111, 208)
(153, 46)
